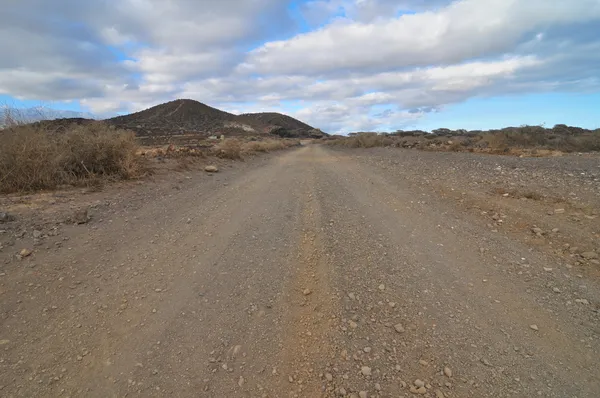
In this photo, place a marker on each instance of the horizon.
(337, 65)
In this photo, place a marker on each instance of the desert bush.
(33, 159)
(231, 148)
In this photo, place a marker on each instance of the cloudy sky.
(341, 65)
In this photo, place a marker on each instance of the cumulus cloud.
(362, 64)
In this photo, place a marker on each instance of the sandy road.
(309, 275)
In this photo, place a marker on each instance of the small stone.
(81, 216)
(363, 394)
(419, 383)
(25, 253)
(589, 255)
(559, 211)
(307, 292)
(399, 328)
(421, 390)
(547, 269)
(367, 349)
(439, 394)
(353, 324)
(582, 301)
(365, 370)
(423, 362)
(211, 169)
(342, 391)
(382, 287)
(555, 230)
(537, 231)
(377, 386)
(556, 290)
(6, 217)
(448, 371)
(392, 304)
(329, 377)
(37, 234)
(534, 327)
(352, 296)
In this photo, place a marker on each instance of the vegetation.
(32, 158)
(511, 140)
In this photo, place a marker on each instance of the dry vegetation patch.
(32, 158)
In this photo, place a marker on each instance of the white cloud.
(365, 64)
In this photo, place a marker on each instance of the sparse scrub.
(31, 158)
(231, 148)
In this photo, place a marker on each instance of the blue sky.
(340, 65)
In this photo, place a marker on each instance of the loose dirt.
(314, 272)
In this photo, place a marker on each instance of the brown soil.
(314, 272)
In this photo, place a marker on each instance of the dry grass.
(229, 149)
(31, 158)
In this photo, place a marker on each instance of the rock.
(367, 349)
(353, 324)
(423, 362)
(439, 394)
(534, 327)
(559, 211)
(582, 301)
(211, 169)
(547, 269)
(342, 391)
(382, 287)
(363, 394)
(352, 296)
(413, 390)
(25, 253)
(241, 381)
(589, 255)
(377, 386)
(448, 371)
(329, 377)
(365, 370)
(421, 390)
(81, 216)
(556, 290)
(37, 234)
(399, 328)
(419, 383)
(6, 217)
(537, 231)
(307, 292)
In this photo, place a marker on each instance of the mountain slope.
(284, 125)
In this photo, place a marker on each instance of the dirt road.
(308, 274)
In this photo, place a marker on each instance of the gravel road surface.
(311, 273)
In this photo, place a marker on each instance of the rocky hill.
(184, 116)
(284, 125)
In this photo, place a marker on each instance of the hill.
(284, 125)
(186, 116)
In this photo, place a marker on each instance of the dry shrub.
(33, 159)
(364, 140)
(231, 148)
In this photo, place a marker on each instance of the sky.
(339, 65)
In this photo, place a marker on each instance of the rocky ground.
(314, 272)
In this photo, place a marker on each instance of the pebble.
(378, 386)
(448, 371)
(367, 349)
(399, 328)
(589, 255)
(211, 169)
(382, 287)
(365, 370)
(307, 292)
(423, 362)
(419, 383)
(556, 290)
(329, 376)
(582, 301)
(363, 394)
(547, 269)
(353, 324)
(25, 253)
(37, 234)
(534, 327)
(439, 394)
